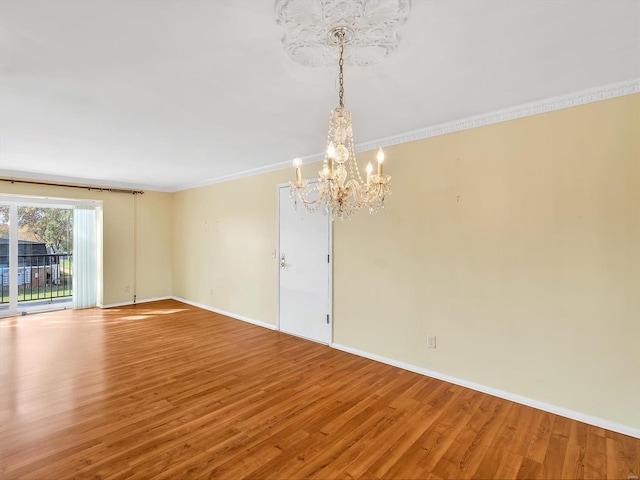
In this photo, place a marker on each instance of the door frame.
(277, 263)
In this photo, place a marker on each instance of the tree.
(4, 221)
(52, 226)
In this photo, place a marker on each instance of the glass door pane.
(4, 258)
(44, 256)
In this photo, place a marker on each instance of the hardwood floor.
(164, 390)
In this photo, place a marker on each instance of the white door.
(304, 264)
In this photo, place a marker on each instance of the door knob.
(282, 262)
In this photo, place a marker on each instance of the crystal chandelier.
(340, 189)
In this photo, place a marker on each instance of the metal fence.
(40, 277)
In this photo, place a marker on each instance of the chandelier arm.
(359, 195)
(299, 192)
(309, 202)
(305, 201)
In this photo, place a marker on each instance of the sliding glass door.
(37, 263)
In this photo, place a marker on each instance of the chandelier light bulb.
(331, 155)
(296, 163)
(380, 158)
(331, 151)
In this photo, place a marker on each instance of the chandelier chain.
(341, 64)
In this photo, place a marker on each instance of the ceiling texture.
(171, 94)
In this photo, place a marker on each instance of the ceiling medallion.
(370, 27)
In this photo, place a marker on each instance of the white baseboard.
(564, 412)
(124, 304)
(225, 313)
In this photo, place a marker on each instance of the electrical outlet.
(431, 341)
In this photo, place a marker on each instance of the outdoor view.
(45, 243)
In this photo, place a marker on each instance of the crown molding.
(583, 97)
(235, 176)
(575, 99)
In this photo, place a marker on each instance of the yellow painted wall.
(154, 254)
(518, 246)
(154, 230)
(223, 237)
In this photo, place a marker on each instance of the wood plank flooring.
(167, 391)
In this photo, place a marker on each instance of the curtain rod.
(70, 185)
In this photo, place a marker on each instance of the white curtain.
(85, 257)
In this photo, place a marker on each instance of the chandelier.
(340, 189)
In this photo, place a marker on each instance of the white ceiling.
(167, 94)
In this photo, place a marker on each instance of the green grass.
(43, 294)
(65, 266)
